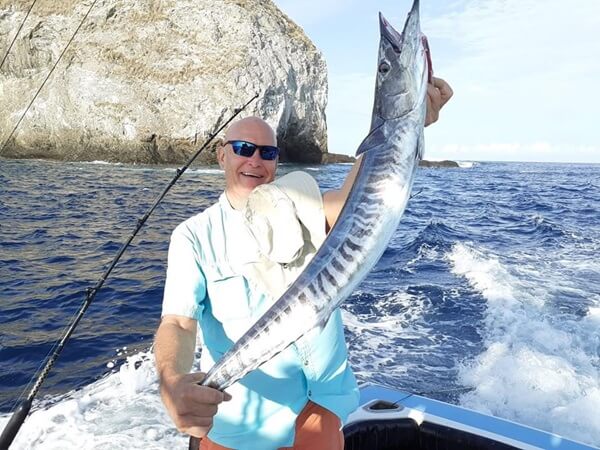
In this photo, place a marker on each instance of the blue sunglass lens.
(269, 153)
(247, 149)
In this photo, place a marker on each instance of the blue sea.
(488, 295)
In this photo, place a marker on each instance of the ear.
(221, 155)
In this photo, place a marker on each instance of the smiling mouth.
(246, 174)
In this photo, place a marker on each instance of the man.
(302, 396)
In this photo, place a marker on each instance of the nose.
(255, 159)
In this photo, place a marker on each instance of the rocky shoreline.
(149, 85)
(333, 158)
(439, 164)
(149, 82)
(328, 158)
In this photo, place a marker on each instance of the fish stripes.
(330, 278)
(320, 284)
(345, 255)
(337, 265)
(352, 246)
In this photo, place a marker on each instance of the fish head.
(403, 69)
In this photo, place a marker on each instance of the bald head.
(252, 129)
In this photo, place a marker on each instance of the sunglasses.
(244, 148)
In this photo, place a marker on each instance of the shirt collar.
(226, 206)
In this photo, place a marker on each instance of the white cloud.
(523, 36)
(522, 71)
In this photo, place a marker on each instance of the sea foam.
(533, 361)
(120, 411)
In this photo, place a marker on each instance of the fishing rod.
(17, 34)
(20, 413)
(47, 76)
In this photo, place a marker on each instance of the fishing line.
(20, 413)
(415, 194)
(444, 391)
(18, 31)
(47, 77)
(431, 394)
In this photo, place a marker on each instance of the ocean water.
(488, 296)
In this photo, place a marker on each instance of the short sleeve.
(185, 286)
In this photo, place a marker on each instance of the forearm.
(333, 201)
(174, 348)
(190, 405)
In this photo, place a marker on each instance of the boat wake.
(539, 356)
(120, 411)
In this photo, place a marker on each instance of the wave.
(437, 235)
(383, 327)
(534, 361)
(100, 162)
(196, 171)
(120, 411)
(535, 230)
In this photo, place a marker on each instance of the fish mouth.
(390, 34)
(411, 27)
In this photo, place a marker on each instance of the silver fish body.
(390, 155)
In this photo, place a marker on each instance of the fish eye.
(384, 67)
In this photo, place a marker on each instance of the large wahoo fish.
(390, 155)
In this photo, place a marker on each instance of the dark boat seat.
(406, 434)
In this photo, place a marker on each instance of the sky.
(525, 74)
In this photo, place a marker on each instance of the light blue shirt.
(204, 282)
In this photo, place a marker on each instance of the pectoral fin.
(375, 139)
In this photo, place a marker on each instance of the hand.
(191, 406)
(438, 94)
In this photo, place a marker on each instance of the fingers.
(196, 377)
(203, 395)
(445, 90)
(194, 399)
(191, 406)
(438, 94)
(434, 101)
(201, 409)
(199, 376)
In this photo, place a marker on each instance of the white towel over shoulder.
(287, 220)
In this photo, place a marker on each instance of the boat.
(390, 419)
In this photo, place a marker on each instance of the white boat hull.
(391, 419)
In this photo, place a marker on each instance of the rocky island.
(439, 164)
(148, 82)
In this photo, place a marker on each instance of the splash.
(535, 359)
(121, 411)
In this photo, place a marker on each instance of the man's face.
(243, 174)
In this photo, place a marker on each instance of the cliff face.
(147, 81)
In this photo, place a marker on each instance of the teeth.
(251, 175)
